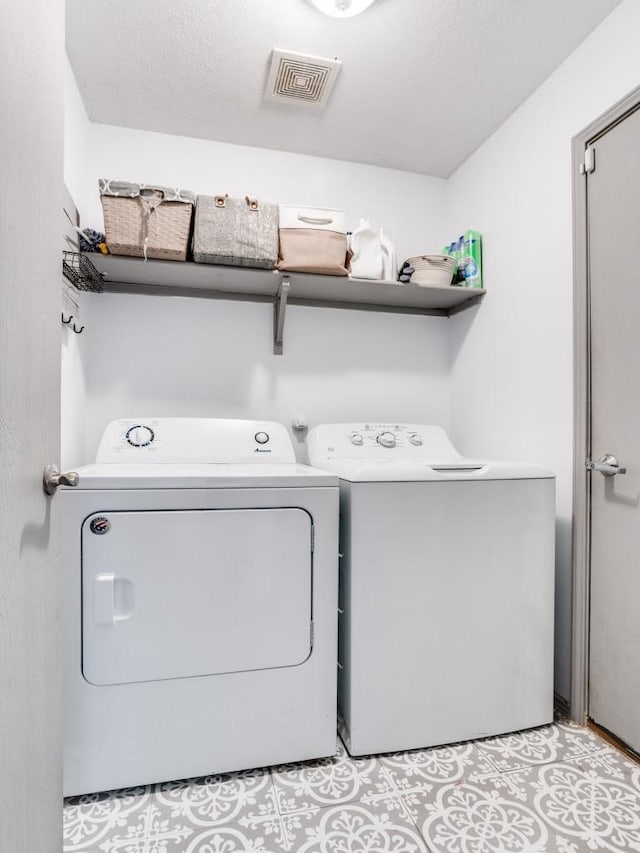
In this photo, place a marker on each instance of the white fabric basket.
(313, 240)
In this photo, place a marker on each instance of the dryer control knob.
(416, 439)
(262, 437)
(357, 439)
(387, 439)
(140, 436)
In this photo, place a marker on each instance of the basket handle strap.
(310, 220)
(252, 203)
(150, 202)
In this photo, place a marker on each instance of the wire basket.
(82, 274)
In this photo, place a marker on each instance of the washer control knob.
(387, 439)
(140, 436)
(262, 437)
(416, 439)
(357, 439)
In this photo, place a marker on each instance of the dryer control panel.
(196, 440)
(378, 441)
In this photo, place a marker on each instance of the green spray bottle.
(472, 259)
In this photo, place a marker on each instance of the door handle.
(607, 465)
(112, 599)
(52, 478)
(104, 587)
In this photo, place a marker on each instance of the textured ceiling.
(423, 82)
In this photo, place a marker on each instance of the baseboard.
(614, 741)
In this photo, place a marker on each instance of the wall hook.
(66, 322)
(77, 331)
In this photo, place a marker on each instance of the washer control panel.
(198, 440)
(140, 435)
(385, 435)
(386, 439)
(378, 441)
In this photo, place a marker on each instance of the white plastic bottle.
(389, 258)
(367, 260)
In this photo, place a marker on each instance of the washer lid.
(200, 476)
(437, 470)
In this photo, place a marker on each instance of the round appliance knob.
(416, 439)
(262, 437)
(387, 439)
(357, 439)
(140, 436)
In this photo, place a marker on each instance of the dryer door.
(188, 593)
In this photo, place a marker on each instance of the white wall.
(76, 141)
(73, 420)
(182, 356)
(204, 357)
(511, 358)
(73, 383)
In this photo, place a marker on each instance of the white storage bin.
(313, 240)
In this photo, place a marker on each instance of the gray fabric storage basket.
(235, 232)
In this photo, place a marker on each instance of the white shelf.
(135, 275)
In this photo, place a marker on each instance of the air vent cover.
(295, 78)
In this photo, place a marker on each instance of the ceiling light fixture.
(341, 8)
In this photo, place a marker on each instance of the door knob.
(607, 465)
(52, 478)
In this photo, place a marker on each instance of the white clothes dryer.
(446, 588)
(200, 598)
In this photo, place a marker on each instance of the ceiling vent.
(298, 79)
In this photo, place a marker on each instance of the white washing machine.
(446, 588)
(200, 597)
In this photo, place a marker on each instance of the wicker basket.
(432, 270)
(146, 221)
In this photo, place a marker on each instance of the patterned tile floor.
(556, 789)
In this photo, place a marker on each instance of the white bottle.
(368, 258)
(389, 258)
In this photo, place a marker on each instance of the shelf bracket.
(279, 309)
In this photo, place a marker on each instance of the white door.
(31, 110)
(613, 199)
(194, 592)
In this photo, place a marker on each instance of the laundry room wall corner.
(76, 143)
(511, 359)
(73, 382)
